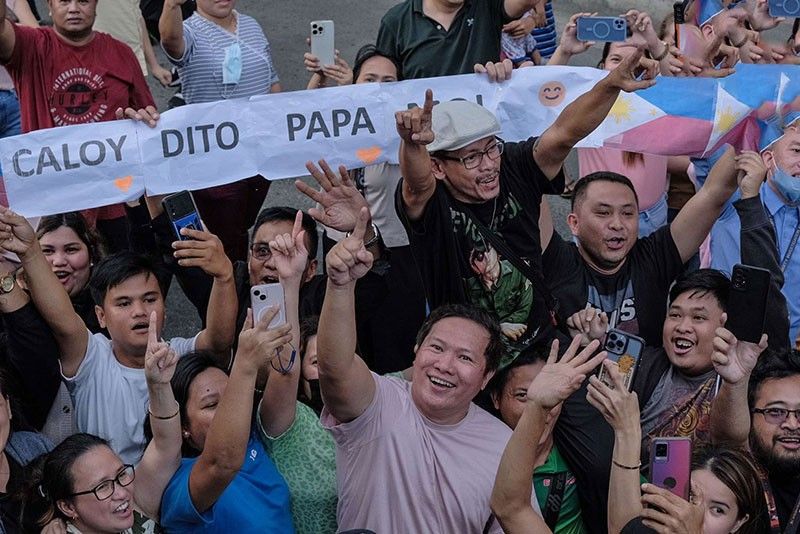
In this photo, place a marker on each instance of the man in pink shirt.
(414, 456)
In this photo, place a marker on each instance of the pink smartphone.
(670, 464)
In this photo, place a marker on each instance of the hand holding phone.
(608, 29)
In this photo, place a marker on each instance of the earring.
(185, 434)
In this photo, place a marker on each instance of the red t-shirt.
(60, 84)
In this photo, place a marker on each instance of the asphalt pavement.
(286, 25)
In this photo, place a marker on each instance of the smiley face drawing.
(552, 93)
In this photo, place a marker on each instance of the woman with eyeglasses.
(83, 482)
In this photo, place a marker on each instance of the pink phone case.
(670, 464)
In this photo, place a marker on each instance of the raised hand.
(520, 28)
(159, 359)
(643, 33)
(16, 233)
(349, 260)
(589, 324)
(734, 360)
(289, 252)
(147, 114)
(258, 343)
(414, 125)
(559, 379)
(752, 173)
(569, 43)
(204, 250)
(497, 72)
(617, 405)
(635, 72)
(341, 202)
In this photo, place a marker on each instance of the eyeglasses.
(474, 159)
(776, 416)
(261, 251)
(106, 488)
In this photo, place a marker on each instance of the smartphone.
(265, 296)
(182, 212)
(784, 8)
(602, 29)
(670, 464)
(747, 302)
(322, 41)
(625, 350)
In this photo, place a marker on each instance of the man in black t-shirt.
(614, 271)
(458, 177)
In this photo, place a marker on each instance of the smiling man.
(466, 192)
(414, 456)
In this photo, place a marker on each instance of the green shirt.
(569, 516)
(306, 457)
(423, 48)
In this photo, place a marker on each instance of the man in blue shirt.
(780, 194)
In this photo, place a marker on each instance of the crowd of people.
(447, 367)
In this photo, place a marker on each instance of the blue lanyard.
(792, 243)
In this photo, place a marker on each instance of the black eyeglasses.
(776, 416)
(474, 159)
(261, 251)
(106, 488)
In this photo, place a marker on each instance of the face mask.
(787, 185)
(232, 65)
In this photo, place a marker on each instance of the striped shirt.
(200, 68)
(545, 36)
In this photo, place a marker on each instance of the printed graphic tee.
(60, 84)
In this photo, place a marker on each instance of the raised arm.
(170, 26)
(162, 457)
(204, 250)
(226, 443)
(511, 496)
(620, 408)
(7, 37)
(695, 220)
(414, 128)
(279, 402)
(47, 293)
(346, 382)
(586, 113)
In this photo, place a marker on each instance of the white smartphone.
(322, 41)
(265, 296)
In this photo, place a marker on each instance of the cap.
(458, 123)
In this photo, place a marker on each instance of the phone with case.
(322, 41)
(670, 464)
(182, 213)
(607, 29)
(747, 302)
(625, 350)
(784, 8)
(265, 296)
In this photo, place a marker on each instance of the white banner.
(197, 146)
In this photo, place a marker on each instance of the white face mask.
(232, 65)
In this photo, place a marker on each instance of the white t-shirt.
(111, 399)
(397, 471)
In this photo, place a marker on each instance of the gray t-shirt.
(110, 399)
(399, 472)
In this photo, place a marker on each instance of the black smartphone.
(747, 302)
(182, 212)
(625, 350)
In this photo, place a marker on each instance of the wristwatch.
(375, 238)
(7, 284)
